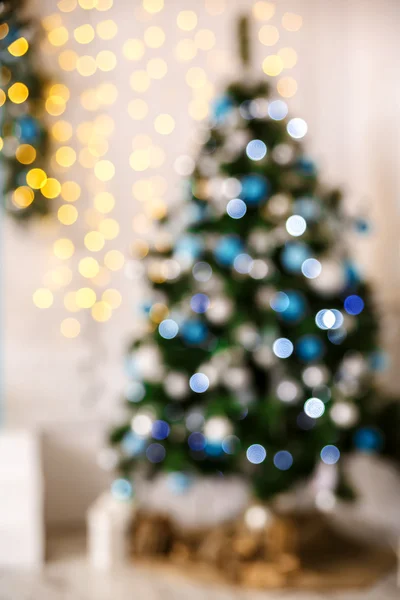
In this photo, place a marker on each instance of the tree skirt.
(320, 559)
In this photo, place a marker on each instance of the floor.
(68, 577)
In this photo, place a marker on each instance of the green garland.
(24, 138)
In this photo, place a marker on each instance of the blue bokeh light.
(199, 303)
(194, 332)
(132, 444)
(354, 305)
(155, 453)
(256, 150)
(135, 391)
(293, 256)
(168, 329)
(236, 208)
(279, 302)
(227, 249)
(283, 460)
(278, 110)
(330, 454)
(199, 383)
(310, 348)
(255, 188)
(256, 454)
(160, 430)
(368, 439)
(122, 489)
(311, 268)
(197, 441)
(283, 348)
(297, 128)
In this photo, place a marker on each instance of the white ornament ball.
(331, 280)
(217, 428)
(220, 310)
(236, 378)
(344, 414)
(176, 385)
(257, 517)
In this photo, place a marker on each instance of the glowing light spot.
(51, 188)
(168, 329)
(19, 47)
(94, 241)
(297, 128)
(88, 267)
(25, 154)
(280, 302)
(153, 6)
(199, 383)
(164, 124)
(155, 453)
(196, 78)
(112, 297)
(263, 11)
(140, 81)
(205, 39)
(18, 93)
(84, 34)
(278, 110)
(202, 272)
(67, 6)
(85, 297)
(283, 460)
(3, 97)
(314, 408)
(296, 225)
(68, 60)
(187, 20)
(283, 348)
(114, 260)
(22, 197)
(133, 49)
(272, 65)
(236, 208)
(86, 65)
(63, 248)
(67, 214)
(154, 37)
(107, 30)
(256, 150)
(70, 328)
(354, 305)
(268, 35)
(256, 454)
(199, 303)
(65, 156)
(36, 178)
(243, 263)
(185, 50)
(289, 57)
(330, 455)
(109, 228)
(121, 489)
(104, 202)
(106, 60)
(157, 68)
(43, 298)
(292, 21)
(104, 170)
(287, 87)
(58, 36)
(311, 268)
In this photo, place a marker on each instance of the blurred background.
(137, 81)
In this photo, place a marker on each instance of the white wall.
(348, 93)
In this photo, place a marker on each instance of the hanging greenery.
(24, 138)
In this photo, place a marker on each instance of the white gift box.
(108, 526)
(21, 501)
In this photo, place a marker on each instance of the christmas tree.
(23, 141)
(261, 335)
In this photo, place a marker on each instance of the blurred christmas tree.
(23, 141)
(261, 342)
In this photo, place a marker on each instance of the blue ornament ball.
(255, 188)
(307, 207)
(227, 249)
(132, 444)
(368, 439)
(194, 332)
(310, 348)
(306, 167)
(296, 308)
(293, 255)
(221, 108)
(29, 129)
